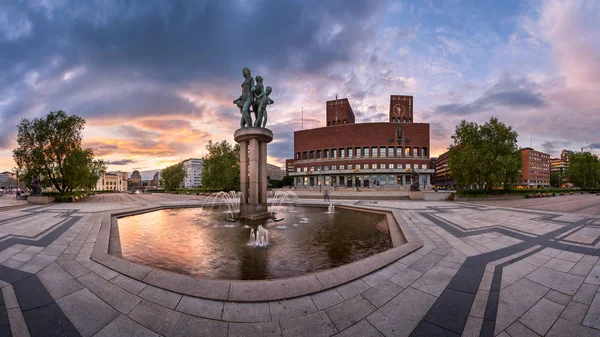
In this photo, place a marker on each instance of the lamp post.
(445, 168)
(320, 179)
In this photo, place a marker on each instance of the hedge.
(485, 193)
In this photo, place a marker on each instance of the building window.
(334, 153)
(391, 166)
(326, 152)
(374, 152)
(304, 155)
(366, 152)
(318, 154)
(305, 169)
(381, 166)
(399, 166)
(342, 153)
(407, 166)
(424, 166)
(415, 151)
(398, 152)
(341, 167)
(312, 168)
(318, 168)
(350, 167)
(390, 151)
(383, 152)
(366, 166)
(326, 168)
(374, 166)
(350, 152)
(358, 151)
(407, 151)
(423, 152)
(311, 155)
(334, 167)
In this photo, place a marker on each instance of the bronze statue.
(257, 91)
(263, 101)
(415, 181)
(244, 102)
(36, 188)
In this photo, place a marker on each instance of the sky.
(155, 79)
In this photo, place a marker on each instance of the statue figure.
(36, 188)
(263, 101)
(244, 102)
(257, 91)
(415, 181)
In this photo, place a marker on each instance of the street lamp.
(445, 166)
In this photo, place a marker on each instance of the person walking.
(326, 195)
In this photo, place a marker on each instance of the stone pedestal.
(253, 171)
(39, 199)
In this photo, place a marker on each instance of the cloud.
(120, 162)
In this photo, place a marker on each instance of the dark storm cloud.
(555, 146)
(507, 93)
(594, 146)
(121, 162)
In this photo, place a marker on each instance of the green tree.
(172, 177)
(287, 181)
(96, 167)
(584, 170)
(51, 148)
(221, 166)
(555, 179)
(486, 155)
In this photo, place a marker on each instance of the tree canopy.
(486, 155)
(221, 166)
(555, 179)
(51, 148)
(584, 170)
(172, 177)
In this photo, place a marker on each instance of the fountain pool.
(194, 243)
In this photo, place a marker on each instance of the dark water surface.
(306, 241)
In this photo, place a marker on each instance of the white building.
(111, 182)
(193, 173)
(275, 172)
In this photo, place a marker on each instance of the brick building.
(535, 171)
(443, 178)
(345, 153)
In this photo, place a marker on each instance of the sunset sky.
(155, 80)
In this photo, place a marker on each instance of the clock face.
(398, 110)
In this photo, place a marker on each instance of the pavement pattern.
(485, 269)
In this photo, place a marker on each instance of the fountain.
(260, 238)
(231, 200)
(331, 209)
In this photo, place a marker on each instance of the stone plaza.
(516, 267)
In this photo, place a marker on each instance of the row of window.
(374, 151)
(358, 166)
(403, 120)
(358, 180)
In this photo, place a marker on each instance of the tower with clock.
(401, 109)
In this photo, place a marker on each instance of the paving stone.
(455, 256)
(53, 250)
(560, 265)
(362, 329)
(563, 282)
(435, 280)
(195, 326)
(402, 314)
(552, 252)
(406, 277)
(66, 257)
(155, 317)
(94, 283)
(426, 329)
(24, 256)
(514, 272)
(31, 293)
(520, 330)
(442, 250)
(266, 329)
(451, 310)
(200, 307)
(382, 293)
(48, 319)
(10, 298)
(584, 266)
(353, 288)
(38, 263)
(86, 311)
(473, 327)
(570, 256)
(349, 312)
(563, 328)
(410, 258)
(294, 307)
(537, 259)
(557, 297)
(18, 326)
(586, 293)
(104, 272)
(479, 304)
(119, 299)
(315, 325)
(8, 253)
(594, 276)
(575, 312)
(129, 284)
(592, 318)
(448, 264)
(426, 263)
(515, 300)
(12, 263)
(384, 274)
(124, 326)
(163, 297)
(327, 298)
(58, 282)
(246, 312)
(541, 316)
(74, 268)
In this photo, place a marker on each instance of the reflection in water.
(196, 244)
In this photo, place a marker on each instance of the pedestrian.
(326, 195)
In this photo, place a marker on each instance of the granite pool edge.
(247, 290)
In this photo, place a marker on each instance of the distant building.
(112, 181)
(193, 173)
(275, 172)
(135, 180)
(155, 182)
(443, 177)
(557, 165)
(535, 171)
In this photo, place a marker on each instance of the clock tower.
(401, 109)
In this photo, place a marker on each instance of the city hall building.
(348, 154)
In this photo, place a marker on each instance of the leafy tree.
(172, 177)
(555, 179)
(96, 167)
(486, 155)
(584, 170)
(51, 148)
(287, 181)
(221, 166)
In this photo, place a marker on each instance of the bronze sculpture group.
(253, 95)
